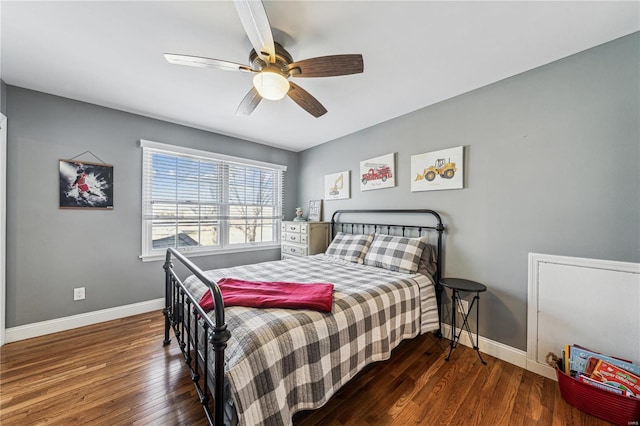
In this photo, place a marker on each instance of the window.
(201, 202)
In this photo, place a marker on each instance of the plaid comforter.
(280, 361)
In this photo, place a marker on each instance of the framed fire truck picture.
(437, 170)
(85, 185)
(378, 172)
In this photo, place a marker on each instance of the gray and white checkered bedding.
(349, 247)
(280, 361)
(395, 253)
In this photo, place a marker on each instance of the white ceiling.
(415, 54)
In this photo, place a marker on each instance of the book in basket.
(588, 380)
(579, 357)
(611, 375)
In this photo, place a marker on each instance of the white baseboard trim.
(542, 369)
(28, 331)
(493, 348)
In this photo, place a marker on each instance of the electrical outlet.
(465, 306)
(78, 293)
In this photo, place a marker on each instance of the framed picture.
(85, 185)
(438, 170)
(315, 210)
(378, 173)
(336, 186)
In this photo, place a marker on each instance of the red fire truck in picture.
(376, 171)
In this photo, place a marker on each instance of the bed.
(255, 366)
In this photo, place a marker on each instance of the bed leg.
(168, 265)
(438, 332)
(219, 339)
(166, 340)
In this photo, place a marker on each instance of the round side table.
(456, 285)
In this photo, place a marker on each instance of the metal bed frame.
(191, 324)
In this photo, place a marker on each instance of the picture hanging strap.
(87, 152)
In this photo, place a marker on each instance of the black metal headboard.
(413, 221)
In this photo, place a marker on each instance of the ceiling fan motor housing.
(283, 59)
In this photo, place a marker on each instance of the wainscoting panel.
(593, 303)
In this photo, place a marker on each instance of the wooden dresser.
(304, 238)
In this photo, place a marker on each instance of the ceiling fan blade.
(256, 25)
(327, 66)
(249, 103)
(305, 100)
(197, 61)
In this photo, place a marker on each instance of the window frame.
(150, 254)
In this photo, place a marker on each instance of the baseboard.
(542, 369)
(493, 348)
(28, 331)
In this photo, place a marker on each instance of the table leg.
(455, 296)
(455, 338)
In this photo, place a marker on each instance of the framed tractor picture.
(437, 170)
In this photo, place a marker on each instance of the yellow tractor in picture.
(442, 168)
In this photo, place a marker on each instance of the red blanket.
(265, 294)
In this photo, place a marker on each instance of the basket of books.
(600, 385)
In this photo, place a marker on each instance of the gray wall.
(551, 164)
(3, 97)
(51, 251)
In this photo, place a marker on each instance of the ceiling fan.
(273, 65)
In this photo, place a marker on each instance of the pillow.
(351, 247)
(428, 262)
(401, 254)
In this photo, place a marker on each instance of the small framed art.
(315, 210)
(336, 186)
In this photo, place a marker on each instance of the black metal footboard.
(191, 325)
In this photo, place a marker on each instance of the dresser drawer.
(293, 227)
(295, 250)
(292, 237)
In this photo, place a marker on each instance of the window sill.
(162, 256)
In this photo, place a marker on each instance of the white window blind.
(198, 201)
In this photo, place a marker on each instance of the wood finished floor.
(119, 373)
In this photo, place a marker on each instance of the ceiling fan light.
(271, 85)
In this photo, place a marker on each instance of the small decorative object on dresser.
(304, 238)
(299, 217)
(315, 210)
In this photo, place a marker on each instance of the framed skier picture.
(85, 185)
